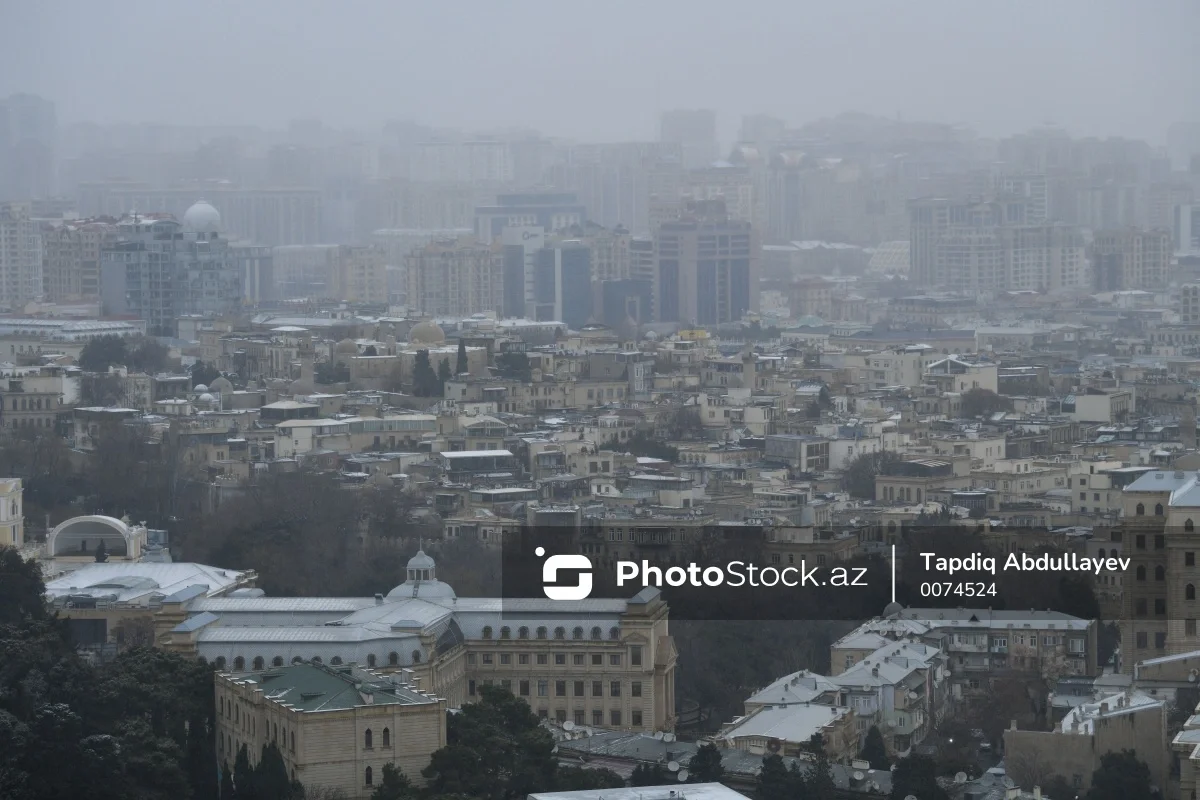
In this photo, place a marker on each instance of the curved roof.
(202, 217)
(427, 332)
(74, 535)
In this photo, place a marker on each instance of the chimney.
(1012, 725)
(1104, 708)
(378, 599)
(1037, 793)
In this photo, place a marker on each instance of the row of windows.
(560, 659)
(614, 632)
(259, 663)
(578, 688)
(580, 716)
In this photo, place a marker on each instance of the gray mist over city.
(633, 401)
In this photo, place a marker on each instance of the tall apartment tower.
(28, 130)
(158, 269)
(706, 266)
(455, 278)
(20, 256)
(695, 131)
(563, 283)
(72, 258)
(1131, 258)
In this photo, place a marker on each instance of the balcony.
(998, 648)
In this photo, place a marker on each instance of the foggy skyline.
(1096, 68)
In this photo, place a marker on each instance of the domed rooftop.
(422, 581)
(202, 217)
(200, 387)
(892, 608)
(206, 398)
(426, 332)
(221, 384)
(347, 346)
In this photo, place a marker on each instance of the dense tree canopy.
(1122, 776)
(859, 476)
(977, 402)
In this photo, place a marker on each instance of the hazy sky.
(603, 71)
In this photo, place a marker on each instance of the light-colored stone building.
(335, 726)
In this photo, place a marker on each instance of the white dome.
(199, 387)
(206, 398)
(421, 561)
(202, 217)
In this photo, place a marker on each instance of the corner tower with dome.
(598, 662)
(158, 250)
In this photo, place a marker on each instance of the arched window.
(506, 632)
(1189, 526)
(1158, 510)
(370, 659)
(336, 660)
(541, 632)
(416, 656)
(367, 736)
(369, 780)
(297, 660)
(1160, 574)
(1141, 573)
(220, 663)
(1189, 592)
(1141, 510)
(293, 747)
(577, 632)
(277, 661)
(560, 632)
(614, 633)
(393, 659)
(317, 660)
(522, 632)
(201, 660)
(259, 662)
(387, 737)
(597, 633)
(487, 631)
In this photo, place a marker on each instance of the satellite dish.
(960, 777)
(673, 766)
(658, 736)
(683, 775)
(910, 797)
(858, 776)
(568, 725)
(555, 750)
(668, 737)
(913, 695)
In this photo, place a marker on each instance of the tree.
(243, 774)
(101, 552)
(513, 364)
(271, 780)
(393, 784)
(818, 782)
(443, 374)
(370, 350)
(681, 422)
(495, 749)
(1122, 776)
(978, 402)
(705, 766)
(22, 590)
(874, 750)
(642, 445)
(327, 372)
(774, 782)
(203, 373)
(576, 779)
(424, 380)
(916, 775)
(102, 352)
(227, 790)
(148, 355)
(461, 364)
(859, 477)
(648, 774)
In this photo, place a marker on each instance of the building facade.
(20, 256)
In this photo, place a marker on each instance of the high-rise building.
(562, 289)
(1030, 186)
(455, 278)
(360, 276)
(1161, 201)
(613, 181)
(71, 258)
(550, 211)
(20, 256)
(256, 264)
(157, 269)
(695, 131)
(1131, 258)
(28, 131)
(1186, 228)
(519, 245)
(706, 266)
(263, 216)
